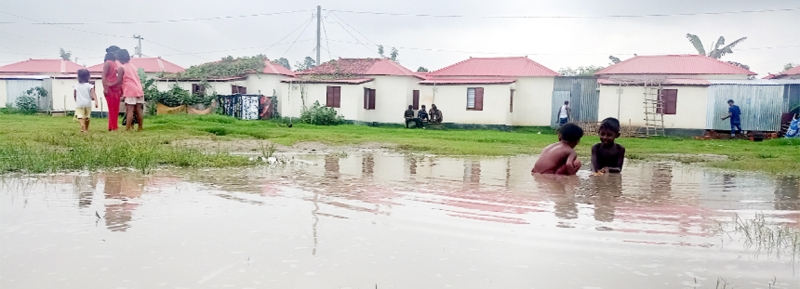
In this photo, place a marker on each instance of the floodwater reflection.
(335, 220)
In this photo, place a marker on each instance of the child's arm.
(620, 161)
(571, 168)
(75, 94)
(595, 162)
(94, 97)
(106, 67)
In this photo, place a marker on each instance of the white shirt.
(563, 112)
(83, 94)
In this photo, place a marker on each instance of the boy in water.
(560, 158)
(608, 156)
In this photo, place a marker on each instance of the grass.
(760, 235)
(41, 143)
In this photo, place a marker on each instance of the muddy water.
(387, 220)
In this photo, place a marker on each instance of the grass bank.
(43, 143)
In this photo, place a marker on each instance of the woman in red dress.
(112, 92)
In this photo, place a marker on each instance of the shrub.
(176, 96)
(320, 115)
(27, 104)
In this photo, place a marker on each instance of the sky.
(557, 34)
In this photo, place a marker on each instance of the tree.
(580, 71)
(422, 69)
(307, 63)
(715, 51)
(393, 55)
(614, 59)
(380, 51)
(284, 62)
(65, 55)
(788, 66)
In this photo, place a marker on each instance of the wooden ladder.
(653, 112)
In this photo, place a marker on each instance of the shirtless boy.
(560, 158)
(608, 156)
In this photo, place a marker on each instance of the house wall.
(452, 101)
(265, 83)
(221, 88)
(679, 76)
(295, 94)
(690, 108)
(532, 101)
(3, 93)
(393, 95)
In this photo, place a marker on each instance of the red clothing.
(131, 85)
(112, 94)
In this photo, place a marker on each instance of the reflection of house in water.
(121, 188)
(605, 190)
(662, 178)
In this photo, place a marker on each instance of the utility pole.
(138, 48)
(319, 22)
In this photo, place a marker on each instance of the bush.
(320, 115)
(174, 97)
(27, 104)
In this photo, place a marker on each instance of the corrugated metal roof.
(340, 81)
(496, 66)
(149, 64)
(38, 66)
(25, 77)
(673, 64)
(359, 66)
(668, 81)
(274, 68)
(468, 81)
(743, 81)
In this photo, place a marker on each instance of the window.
(511, 102)
(415, 100)
(333, 96)
(235, 89)
(475, 98)
(369, 98)
(200, 89)
(668, 99)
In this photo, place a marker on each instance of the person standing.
(132, 93)
(733, 113)
(112, 93)
(564, 113)
(83, 93)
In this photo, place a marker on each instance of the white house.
(680, 82)
(265, 82)
(361, 89)
(492, 91)
(57, 76)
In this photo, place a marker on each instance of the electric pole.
(319, 22)
(138, 48)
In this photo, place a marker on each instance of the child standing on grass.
(83, 94)
(560, 158)
(608, 156)
(132, 92)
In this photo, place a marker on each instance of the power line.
(156, 21)
(567, 16)
(178, 50)
(287, 35)
(354, 37)
(354, 29)
(241, 48)
(326, 36)
(298, 37)
(45, 42)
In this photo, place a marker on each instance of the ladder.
(653, 111)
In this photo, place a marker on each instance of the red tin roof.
(149, 64)
(360, 66)
(496, 66)
(673, 64)
(41, 66)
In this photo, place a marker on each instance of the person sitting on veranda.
(435, 114)
(409, 115)
(422, 115)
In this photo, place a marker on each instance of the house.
(57, 76)
(266, 82)
(793, 73)
(679, 82)
(363, 90)
(500, 91)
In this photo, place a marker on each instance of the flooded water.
(387, 220)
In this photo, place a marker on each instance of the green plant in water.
(320, 115)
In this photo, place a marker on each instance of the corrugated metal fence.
(583, 98)
(761, 106)
(17, 87)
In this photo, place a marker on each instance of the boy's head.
(423, 107)
(609, 130)
(566, 102)
(83, 75)
(570, 133)
(123, 56)
(411, 107)
(730, 102)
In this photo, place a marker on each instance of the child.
(560, 158)
(84, 95)
(132, 93)
(608, 156)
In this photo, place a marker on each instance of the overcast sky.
(585, 37)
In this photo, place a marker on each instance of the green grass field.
(43, 144)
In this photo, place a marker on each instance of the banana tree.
(717, 49)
